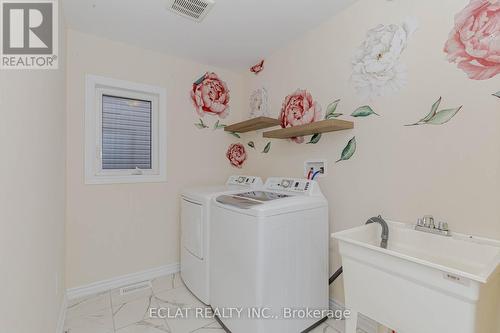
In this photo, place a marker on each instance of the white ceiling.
(235, 34)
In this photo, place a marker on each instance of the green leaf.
(444, 116)
(431, 114)
(331, 108)
(333, 115)
(348, 151)
(363, 111)
(217, 125)
(267, 148)
(251, 144)
(200, 80)
(235, 134)
(201, 125)
(434, 109)
(497, 94)
(315, 139)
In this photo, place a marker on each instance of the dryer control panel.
(249, 181)
(296, 185)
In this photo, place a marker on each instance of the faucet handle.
(429, 221)
(443, 226)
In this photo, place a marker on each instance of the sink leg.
(351, 323)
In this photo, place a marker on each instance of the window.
(125, 132)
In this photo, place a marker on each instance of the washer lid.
(262, 195)
(248, 200)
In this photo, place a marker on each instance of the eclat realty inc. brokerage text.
(240, 312)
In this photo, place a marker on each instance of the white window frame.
(96, 87)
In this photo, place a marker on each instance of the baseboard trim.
(120, 281)
(365, 324)
(62, 315)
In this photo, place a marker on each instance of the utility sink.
(421, 283)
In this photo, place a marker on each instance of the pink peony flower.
(299, 109)
(474, 42)
(236, 154)
(210, 95)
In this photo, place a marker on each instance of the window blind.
(126, 133)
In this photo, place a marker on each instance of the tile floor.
(110, 312)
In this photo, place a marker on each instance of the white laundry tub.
(422, 283)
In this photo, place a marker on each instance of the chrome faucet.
(385, 229)
(427, 224)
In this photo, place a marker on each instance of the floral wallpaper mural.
(497, 94)
(474, 42)
(377, 69)
(236, 154)
(299, 108)
(256, 69)
(259, 103)
(210, 95)
(435, 117)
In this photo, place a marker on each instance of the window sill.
(129, 179)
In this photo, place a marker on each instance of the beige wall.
(450, 171)
(32, 198)
(119, 229)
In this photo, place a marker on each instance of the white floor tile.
(133, 312)
(146, 326)
(181, 298)
(111, 312)
(213, 327)
(98, 322)
(163, 283)
(178, 281)
(178, 298)
(88, 305)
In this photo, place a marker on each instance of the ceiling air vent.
(192, 9)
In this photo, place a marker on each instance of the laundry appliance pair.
(260, 248)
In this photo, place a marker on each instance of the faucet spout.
(385, 229)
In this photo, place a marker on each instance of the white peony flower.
(259, 103)
(377, 69)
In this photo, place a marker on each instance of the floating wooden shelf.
(322, 126)
(252, 125)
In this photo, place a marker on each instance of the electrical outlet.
(311, 167)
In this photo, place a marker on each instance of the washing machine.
(195, 225)
(269, 257)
